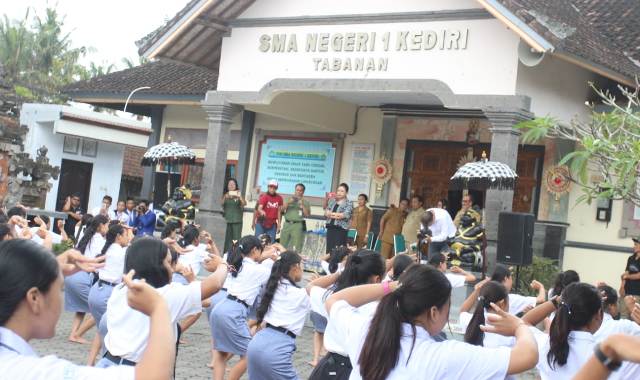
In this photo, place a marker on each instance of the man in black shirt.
(630, 286)
(74, 214)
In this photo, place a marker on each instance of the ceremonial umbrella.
(169, 153)
(484, 174)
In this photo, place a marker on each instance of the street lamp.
(131, 94)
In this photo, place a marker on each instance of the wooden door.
(527, 189)
(75, 177)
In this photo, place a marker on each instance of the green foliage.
(62, 246)
(542, 269)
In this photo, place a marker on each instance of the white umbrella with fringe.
(169, 153)
(483, 175)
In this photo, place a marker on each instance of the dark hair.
(562, 280)
(84, 221)
(15, 210)
(45, 219)
(130, 199)
(3, 217)
(609, 296)
(304, 188)
(23, 265)
(190, 234)
(423, 287)
(146, 202)
(366, 198)
(490, 292)
(501, 273)
(245, 245)
(336, 256)
(359, 268)
(168, 229)
(75, 195)
(345, 186)
(108, 197)
(279, 270)
(91, 230)
(146, 256)
(400, 264)
(580, 303)
(436, 259)
(445, 202)
(418, 197)
(4, 231)
(112, 234)
(427, 218)
(226, 185)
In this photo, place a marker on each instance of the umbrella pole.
(168, 181)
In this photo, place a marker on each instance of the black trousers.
(336, 237)
(332, 366)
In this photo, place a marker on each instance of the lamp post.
(131, 94)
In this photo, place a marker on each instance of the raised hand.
(212, 262)
(501, 322)
(536, 285)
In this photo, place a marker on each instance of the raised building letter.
(265, 43)
(293, 44)
(312, 42)
(401, 42)
(279, 41)
(323, 45)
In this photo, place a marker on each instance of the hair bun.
(356, 259)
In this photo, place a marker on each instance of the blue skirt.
(270, 356)
(98, 297)
(215, 299)
(319, 322)
(76, 292)
(229, 328)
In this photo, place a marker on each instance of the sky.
(110, 27)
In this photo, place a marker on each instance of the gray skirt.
(319, 322)
(98, 297)
(270, 356)
(215, 299)
(229, 327)
(76, 292)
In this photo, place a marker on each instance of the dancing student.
(77, 286)
(562, 280)
(397, 343)
(30, 309)
(283, 309)
(127, 329)
(608, 357)
(400, 263)
(457, 277)
(517, 303)
(269, 249)
(194, 255)
(363, 267)
(570, 340)
(231, 336)
(335, 260)
(80, 226)
(490, 292)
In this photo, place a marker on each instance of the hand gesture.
(82, 262)
(141, 296)
(536, 285)
(188, 274)
(501, 322)
(60, 224)
(456, 269)
(480, 284)
(212, 262)
(38, 221)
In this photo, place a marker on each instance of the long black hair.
(580, 303)
(146, 256)
(23, 265)
(400, 264)
(336, 256)
(84, 221)
(112, 235)
(359, 268)
(490, 292)
(190, 234)
(279, 271)
(423, 287)
(226, 185)
(242, 249)
(501, 273)
(91, 230)
(562, 280)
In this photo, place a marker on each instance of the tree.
(608, 144)
(129, 63)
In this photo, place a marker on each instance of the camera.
(423, 241)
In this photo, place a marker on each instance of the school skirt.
(215, 299)
(76, 292)
(270, 356)
(98, 296)
(332, 366)
(319, 322)
(229, 327)
(253, 310)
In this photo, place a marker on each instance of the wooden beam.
(212, 25)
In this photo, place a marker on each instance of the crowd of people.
(375, 317)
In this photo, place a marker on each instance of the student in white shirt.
(121, 214)
(457, 277)
(608, 356)
(397, 342)
(570, 340)
(128, 330)
(41, 233)
(77, 287)
(31, 306)
(250, 271)
(194, 254)
(283, 309)
(363, 267)
(518, 303)
(442, 228)
(490, 292)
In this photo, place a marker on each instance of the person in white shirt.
(127, 329)
(194, 254)
(442, 228)
(283, 309)
(39, 233)
(121, 214)
(518, 303)
(31, 309)
(250, 271)
(457, 277)
(397, 342)
(77, 286)
(105, 208)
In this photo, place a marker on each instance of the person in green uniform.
(232, 207)
(295, 209)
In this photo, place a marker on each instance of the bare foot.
(313, 363)
(79, 340)
(183, 342)
(209, 365)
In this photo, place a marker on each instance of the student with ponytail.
(490, 292)
(283, 308)
(518, 303)
(250, 270)
(397, 342)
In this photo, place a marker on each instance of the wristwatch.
(611, 364)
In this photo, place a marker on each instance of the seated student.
(562, 280)
(400, 263)
(397, 343)
(518, 303)
(457, 277)
(31, 308)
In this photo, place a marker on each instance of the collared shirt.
(610, 327)
(289, 307)
(420, 356)
(114, 264)
(345, 208)
(456, 280)
(518, 303)
(442, 228)
(70, 223)
(632, 287)
(250, 279)
(19, 361)
(145, 224)
(128, 329)
(194, 257)
(294, 212)
(394, 220)
(122, 217)
(581, 345)
(412, 226)
(94, 248)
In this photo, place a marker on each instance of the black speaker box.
(515, 238)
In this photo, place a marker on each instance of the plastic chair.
(352, 234)
(378, 246)
(399, 245)
(371, 240)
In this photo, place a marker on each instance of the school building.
(324, 92)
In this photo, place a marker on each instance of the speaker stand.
(517, 277)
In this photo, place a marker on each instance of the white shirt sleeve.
(518, 303)
(183, 300)
(350, 325)
(317, 297)
(54, 368)
(464, 320)
(456, 280)
(481, 362)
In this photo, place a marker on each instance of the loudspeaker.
(515, 238)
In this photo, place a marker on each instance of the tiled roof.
(603, 32)
(165, 77)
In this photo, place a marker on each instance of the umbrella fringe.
(460, 183)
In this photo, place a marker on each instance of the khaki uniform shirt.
(394, 219)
